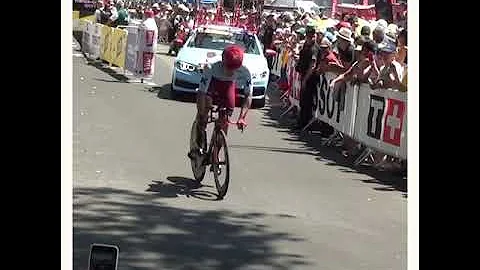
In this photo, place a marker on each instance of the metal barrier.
(375, 118)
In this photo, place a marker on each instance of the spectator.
(345, 47)
(121, 16)
(402, 47)
(378, 34)
(320, 34)
(99, 11)
(156, 9)
(326, 60)
(107, 14)
(267, 38)
(365, 31)
(391, 71)
(305, 66)
(359, 70)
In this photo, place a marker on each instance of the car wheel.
(258, 103)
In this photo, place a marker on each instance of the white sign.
(86, 37)
(148, 44)
(336, 107)
(132, 50)
(95, 41)
(381, 121)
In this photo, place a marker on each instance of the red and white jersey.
(215, 72)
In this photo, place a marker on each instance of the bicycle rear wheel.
(196, 140)
(220, 163)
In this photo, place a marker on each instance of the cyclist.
(217, 87)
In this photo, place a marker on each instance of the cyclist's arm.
(247, 102)
(202, 91)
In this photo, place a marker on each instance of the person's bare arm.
(346, 76)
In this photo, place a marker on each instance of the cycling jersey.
(222, 88)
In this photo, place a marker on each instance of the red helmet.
(232, 57)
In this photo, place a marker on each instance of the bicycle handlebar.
(216, 109)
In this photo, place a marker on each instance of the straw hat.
(345, 33)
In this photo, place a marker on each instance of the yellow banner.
(76, 14)
(106, 43)
(82, 23)
(119, 47)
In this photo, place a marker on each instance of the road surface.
(291, 204)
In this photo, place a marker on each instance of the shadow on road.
(104, 68)
(165, 53)
(164, 92)
(152, 235)
(111, 81)
(180, 186)
(273, 149)
(389, 180)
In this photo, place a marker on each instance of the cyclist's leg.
(204, 102)
(229, 103)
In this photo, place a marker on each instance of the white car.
(206, 45)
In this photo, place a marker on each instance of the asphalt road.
(292, 204)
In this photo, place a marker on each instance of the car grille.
(257, 91)
(185, 84)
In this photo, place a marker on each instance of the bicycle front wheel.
(197, 140)
(220, 163)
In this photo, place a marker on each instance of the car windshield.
(218, 41)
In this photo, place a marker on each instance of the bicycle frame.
(219, 121)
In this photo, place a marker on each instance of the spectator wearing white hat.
(345, 48)
(156, 9)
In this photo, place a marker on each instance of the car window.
(218, 41)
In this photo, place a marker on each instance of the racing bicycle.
(217, 154)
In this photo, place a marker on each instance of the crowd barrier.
(375, 118)
(131, 48)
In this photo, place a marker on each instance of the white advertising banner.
(133, 49)
(381, 121)
(295, 84)
(95, 41)
(148, 34)
(336, 107)
(86, 37)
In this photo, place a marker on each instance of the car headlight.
(185, 66)
(257, 76)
